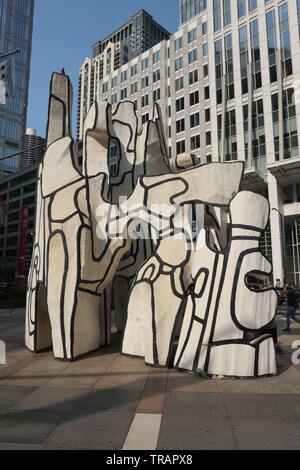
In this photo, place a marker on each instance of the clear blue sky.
(64, 40)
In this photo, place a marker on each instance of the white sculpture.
(186, 288)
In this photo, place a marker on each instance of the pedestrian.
(291, 307)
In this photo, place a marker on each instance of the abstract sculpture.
(189, 304)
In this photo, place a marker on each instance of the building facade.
(131, 39)
(34, 148)
(16, 20)
(229, 61)
(16, 191)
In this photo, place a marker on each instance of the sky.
(63, 32)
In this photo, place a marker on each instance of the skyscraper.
(16, 19)
(35, 147)
(136, 36)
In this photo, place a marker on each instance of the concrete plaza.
(108, 401)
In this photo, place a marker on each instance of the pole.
(22, 151)
(3, 56)
(22, 247)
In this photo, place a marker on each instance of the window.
(217, 15)
(114, 98)
(272, 44)
(156, 57)
(285, 40)
(192, 35)
(290, 134)
(179, 84)
(179, 104)
(193, 77)
(242, 8)
(229, 67)
(194, 98)
(230, 141)
(180, 147)
(226, 12)
(205, 70)
(156, 95)
(219, 70)
(114, 157)
(145, 100)
(114, 82)
(194, 120)
(124, 76)
(123, 93)
(180, 126)
(195, 142)
(145, 118)
(204, 28)
(156, 75)
(255, 52)
(252, 5)
(207, 115)
(208, 138)
(134, 70)
(258, 134)
(145, 82)
(193, 55)
(145, 63)
(243, 39)
(178, 44)
(134, 88)
(206, 92)
(191, 8)
(178, 63)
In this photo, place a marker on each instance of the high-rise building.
(34, 148)
(17, 191)
(16, 19)
(133, 38)
(228, 85)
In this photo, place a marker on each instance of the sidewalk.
(108, 401)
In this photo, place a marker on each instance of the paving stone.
(55, 399)
(11, 395)
(28, 427)
(125, 380)
(85, 373)
(154, 394)
(262, 421)
(186, 382)
(206, 405)
(109, 401)
(191, 432)
(94, 430)
(36, 374)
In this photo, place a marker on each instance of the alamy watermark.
(2, 353)
(296, 353)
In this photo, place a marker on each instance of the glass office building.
(16, 19)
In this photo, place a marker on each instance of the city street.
(108, 401)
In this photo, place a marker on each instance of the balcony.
(286, 171)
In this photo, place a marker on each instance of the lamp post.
(282, 237)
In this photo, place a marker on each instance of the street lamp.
(274, 209)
